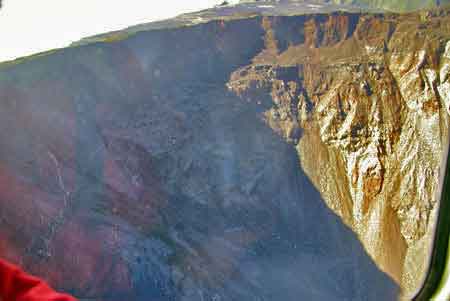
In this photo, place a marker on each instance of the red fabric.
(15, 285)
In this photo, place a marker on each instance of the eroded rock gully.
(365, 100)
(260, 158)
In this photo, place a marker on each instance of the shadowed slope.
(129, 172)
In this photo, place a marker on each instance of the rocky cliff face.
(368, 115)
(252, 158)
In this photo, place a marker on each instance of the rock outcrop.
(369, 118)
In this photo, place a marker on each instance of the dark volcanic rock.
(129, 171)
(244, 158)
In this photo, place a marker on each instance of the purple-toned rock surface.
(130, 170)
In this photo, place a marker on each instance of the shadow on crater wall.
(121, 183)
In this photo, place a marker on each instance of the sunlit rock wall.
(365, 101)
(265, 158)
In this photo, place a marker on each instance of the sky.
(31, 26)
